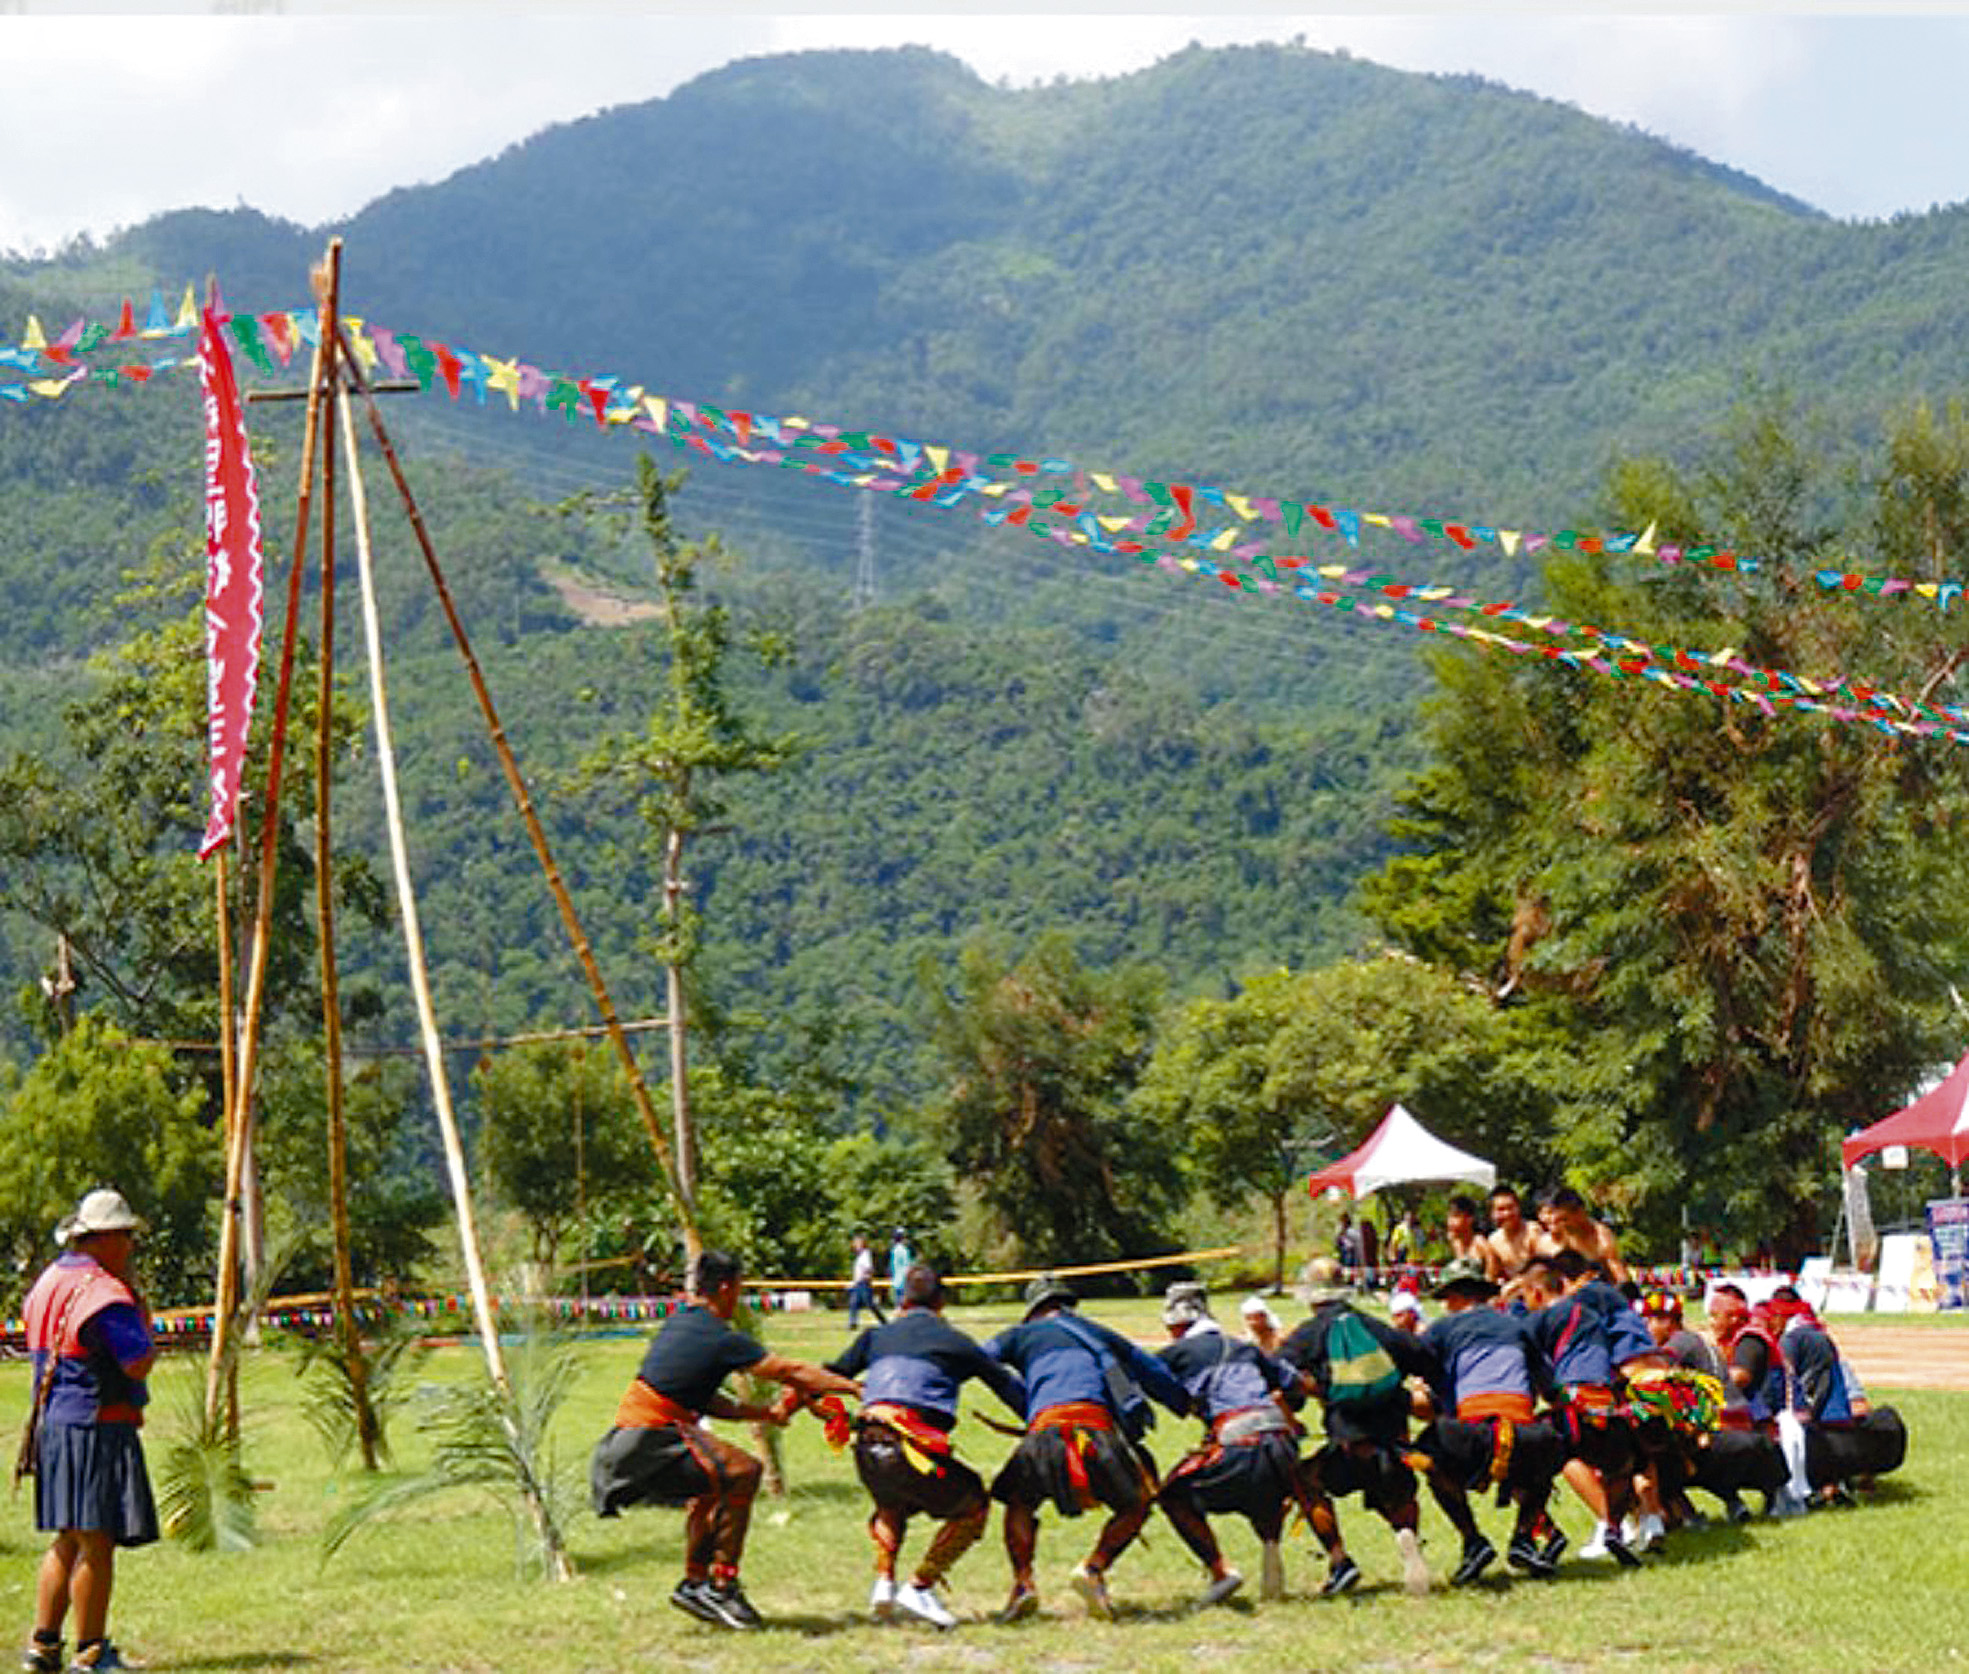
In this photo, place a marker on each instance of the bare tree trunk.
(684, 1136)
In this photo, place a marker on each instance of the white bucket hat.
(102, 1210)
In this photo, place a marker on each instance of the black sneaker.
(1621, 1553)
(1524, 1553)
(1344, 1577)
(729, 1606)
(43, 1659)
(1478, 1556)
(1554, 1548)
(1737, 1510)
(689, 1598)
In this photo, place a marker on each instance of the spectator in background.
(901, 1259)
(861, 1285)
(1261, 1326)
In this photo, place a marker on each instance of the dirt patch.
(598, 609)
(1906, 1356)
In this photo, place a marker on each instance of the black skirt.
(91, 1477)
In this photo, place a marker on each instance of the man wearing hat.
(1081, 1445)
(1356, 1365)
(1249, 1461)
(89, 1334)
(1488, 1377)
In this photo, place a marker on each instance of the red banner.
(232, 581)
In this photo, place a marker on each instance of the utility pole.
(864, 593)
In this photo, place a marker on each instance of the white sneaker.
(882, 1599)
(1271, 1573)
(923, 1603)
(1415, 1573)
(1092, 1587)
(1221, 1587)
(1596, 1543)
(1630, 1530)
(1649, 1533)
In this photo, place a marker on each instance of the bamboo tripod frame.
(337, 378)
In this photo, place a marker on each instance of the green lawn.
(1877, 1587)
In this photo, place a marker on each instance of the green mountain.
(1267, 268)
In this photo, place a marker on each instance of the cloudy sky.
(119, 109)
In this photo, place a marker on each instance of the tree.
(395, 1201)
(1042, 1056)
(695, 742)
(98, 834)
(99, 1109)
(1299, 1066)
(556, 1128)
(1725, 935)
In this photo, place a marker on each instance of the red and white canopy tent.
(1937, 1121)
(1400, 1151)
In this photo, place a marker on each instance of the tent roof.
(1400, 1150)
(1938, 1121)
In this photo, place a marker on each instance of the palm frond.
(497, 1441)
(335, 1404)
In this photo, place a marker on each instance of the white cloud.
(109, 119)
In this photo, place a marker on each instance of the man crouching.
(658, 1452)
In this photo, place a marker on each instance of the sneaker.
(1271, 1571)
(1524, 1553)
(1596, 1542)
(43, 1659)
(688, 1597)
(1652, 1531)
(882, 1598)
(1554, 1548)
(729, 1607)
(1022, 1605)
(106, 1656)
(1737, 1511)
(1784, 1503)
(1344, 1577)
(1092, 1586)
(924, 1605)
(1221, 1587)
(1478, 1556)
(1415, 1573)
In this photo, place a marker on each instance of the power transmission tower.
(864, 593)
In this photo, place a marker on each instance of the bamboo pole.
(348, 1328)
(679, 1195)
(413, 941)
(240, 1138)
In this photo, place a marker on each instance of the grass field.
(1875, 1587)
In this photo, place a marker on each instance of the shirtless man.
(1564, 1224)
(1466, 1243)
(1513, 1239)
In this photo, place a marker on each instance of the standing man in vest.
(658, 1453)
(1077, 1451)
(911, 1368)
(89, 1334)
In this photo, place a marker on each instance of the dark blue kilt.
(92, 1477)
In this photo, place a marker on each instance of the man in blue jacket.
(911, 1368)
(1249, 1460)
(1078, 1449)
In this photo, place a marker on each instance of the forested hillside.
(1271, 269)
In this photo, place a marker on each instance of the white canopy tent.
(1401, 1151)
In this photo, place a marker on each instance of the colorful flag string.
(1166, 515)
